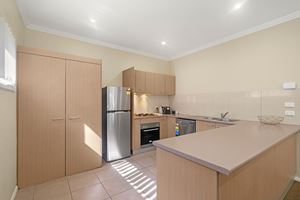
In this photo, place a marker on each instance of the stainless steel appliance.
(116, 123)
(186, 126)
(165, 110)
(149, 133)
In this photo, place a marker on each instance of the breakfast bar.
(245, 161)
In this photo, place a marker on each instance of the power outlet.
(289, 104)
(289, 85)
(290, 113)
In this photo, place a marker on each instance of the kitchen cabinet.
(136, 134)
(128, 78)
(170, 85)
(83, 131)
(203, 126)
(159, 84)
(59, 114)
(171, 127)
(140, 81)
(163, 127)
(136, 129)
(41, 119)
(148, 82)
(220, 125)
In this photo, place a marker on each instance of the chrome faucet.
(223, 115)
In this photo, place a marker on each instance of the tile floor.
(129, 179)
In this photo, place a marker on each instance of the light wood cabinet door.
(128, 78)
(170, 85)
(136, 134)
(220, 125)
(83, 113)
(171, 126)
(163, 128)
(140, 81)
(150, 83)
(159, 84)
(41, 119)
(203, 126)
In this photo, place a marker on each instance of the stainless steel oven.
(149, 133)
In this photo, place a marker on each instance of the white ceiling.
(141, 25)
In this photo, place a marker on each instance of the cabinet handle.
(74, 118)
(57, 119)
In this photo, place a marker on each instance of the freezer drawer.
(118, 98)
(118, 135)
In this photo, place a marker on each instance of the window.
(7, 58)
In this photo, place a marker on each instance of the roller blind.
(7, 57)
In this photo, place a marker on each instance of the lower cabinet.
(163, 127)
(203, 126)
(136, 135)
(171, 127)
(59, 116)
(136, 130)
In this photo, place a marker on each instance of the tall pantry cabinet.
(59, 115)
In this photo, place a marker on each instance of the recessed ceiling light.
(163, 43)
(92, 20)
(238, 6)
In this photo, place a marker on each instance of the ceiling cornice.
(261, 27)
(92, 41)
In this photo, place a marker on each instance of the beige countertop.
(186, 116)
(226, 149)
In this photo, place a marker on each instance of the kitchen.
(196, 93)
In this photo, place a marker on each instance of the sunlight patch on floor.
(143, 184)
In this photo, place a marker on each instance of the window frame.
(7, 43)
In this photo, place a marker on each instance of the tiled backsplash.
(241, 105)
(146, 104)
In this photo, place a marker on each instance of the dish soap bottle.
(177, 131)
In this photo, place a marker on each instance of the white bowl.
(270, 119)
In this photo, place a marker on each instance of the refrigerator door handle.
(119, 111)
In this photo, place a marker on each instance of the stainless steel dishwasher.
(186, 126)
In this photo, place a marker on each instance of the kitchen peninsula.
(245, 161)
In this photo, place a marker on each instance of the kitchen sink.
(224, 120)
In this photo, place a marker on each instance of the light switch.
(290, 113)
(289, 104)
(289, 85)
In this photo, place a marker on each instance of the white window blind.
(7, 58)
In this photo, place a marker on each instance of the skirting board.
(297, 178)
(286, 190)
(14, 194)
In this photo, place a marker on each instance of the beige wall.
(146, 104)
(243, 76)
(9, 13)
(7, 144)
(113, 61)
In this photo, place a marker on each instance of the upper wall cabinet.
(149, 83)
(140, 81)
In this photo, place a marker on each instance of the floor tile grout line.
(84, 187)
(69, 188)
(103, 185)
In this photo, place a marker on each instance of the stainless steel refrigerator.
(116, 123)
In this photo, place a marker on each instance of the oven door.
(148, 135)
